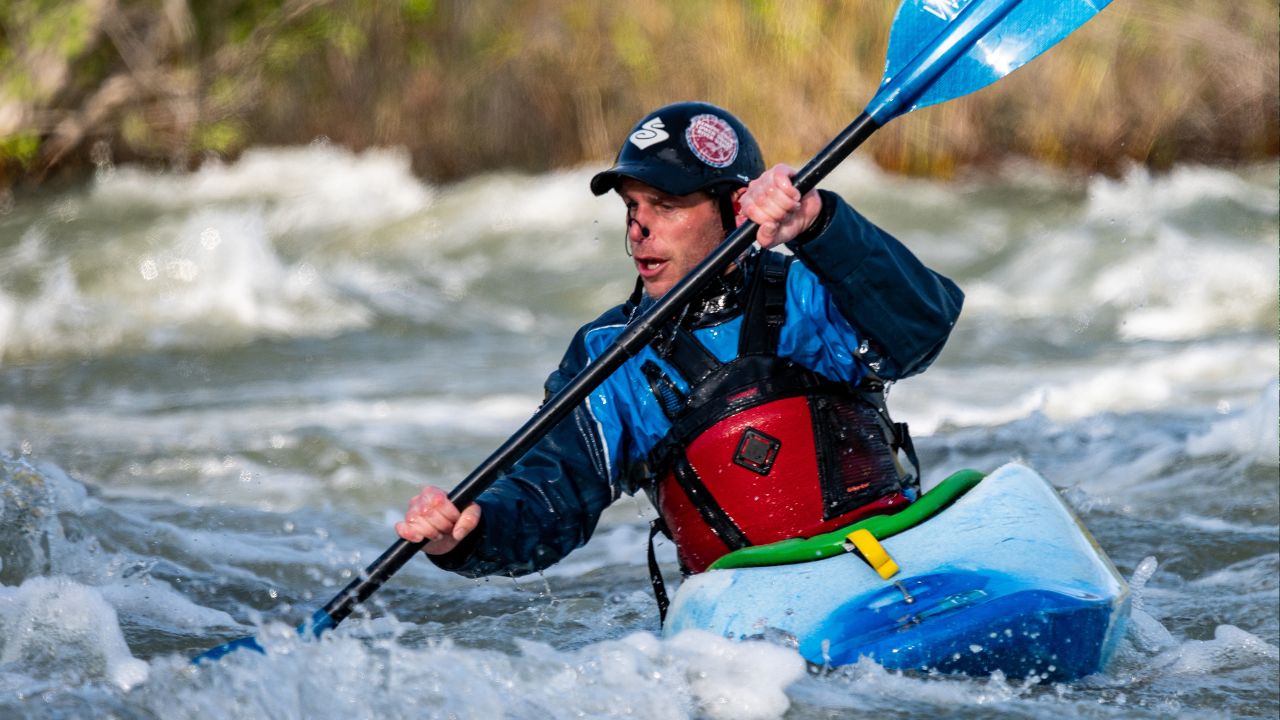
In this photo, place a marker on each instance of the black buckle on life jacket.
(670, 399)
(756, 451)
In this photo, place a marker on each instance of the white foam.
(1180, 378)
(1173, 287)
(555, 203)
(8, 319)
(1251, 432)
(222, 270)
(56, 625)
(1260, 574)
(865, 686)
(157, 601)
(1182, 287)
(637, 676)
(1159, 653)
(1140, 198)
(1169, 257)
(733, 680)
(1230, 648)
(214, 274)
(1218, 525)
(319, 186)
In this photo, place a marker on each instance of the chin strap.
(728, 214)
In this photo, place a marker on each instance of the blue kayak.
(1003, 578)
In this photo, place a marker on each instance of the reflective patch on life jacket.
(757, 451)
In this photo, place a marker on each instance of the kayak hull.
(1005, 579)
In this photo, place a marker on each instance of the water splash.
(641, 676)
(57, 627)
(1145, 632)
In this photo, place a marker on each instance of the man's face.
(682, 230)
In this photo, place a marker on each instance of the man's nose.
(636, 232)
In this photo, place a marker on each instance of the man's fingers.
(467, 521)
(431, 516)
(410, 531)
(782, 188)
(434, 519)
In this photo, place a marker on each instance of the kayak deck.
(1005, 579)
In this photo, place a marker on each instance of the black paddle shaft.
(632, 340)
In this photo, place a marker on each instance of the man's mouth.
(648, 267)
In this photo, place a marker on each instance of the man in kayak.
(758, 414)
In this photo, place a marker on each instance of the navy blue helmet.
(683, 148)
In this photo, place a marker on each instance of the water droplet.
(210, 238)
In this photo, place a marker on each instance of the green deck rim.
(818, 547)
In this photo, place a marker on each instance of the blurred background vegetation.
(467, 86)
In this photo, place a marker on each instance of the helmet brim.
(650, 174)
(603, 182)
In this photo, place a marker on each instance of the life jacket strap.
(655, 573)
(902, 441)
(766, 306)
(690, 358)
(873, 390)
(712, 513)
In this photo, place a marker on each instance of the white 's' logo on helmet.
(649, 133)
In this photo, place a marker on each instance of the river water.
(219, 389)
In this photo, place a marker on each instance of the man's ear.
(737, 196)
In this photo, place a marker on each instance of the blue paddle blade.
(942, 49)
(321, 621)
(246, 643)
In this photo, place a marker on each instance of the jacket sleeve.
(904, 309)
(549, 502)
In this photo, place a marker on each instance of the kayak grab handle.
(869, 549)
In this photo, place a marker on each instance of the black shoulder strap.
(689, 357)
(655, 573)
(766, 307)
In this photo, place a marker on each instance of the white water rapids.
(219, 389)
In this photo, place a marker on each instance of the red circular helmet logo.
(712, 140)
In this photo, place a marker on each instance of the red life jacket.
(762, 449)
